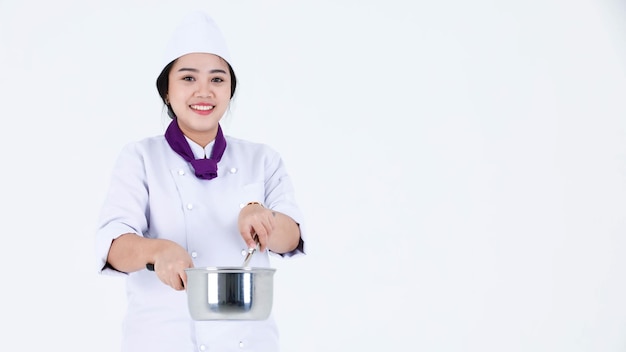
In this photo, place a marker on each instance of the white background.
(461, 165)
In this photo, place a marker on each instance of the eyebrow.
(217, 70)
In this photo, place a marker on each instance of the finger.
(250, 242)
(272, 219)
(268, 229)
(262, 235)
(184, 279)
(263, 242)
(177, 283)
(180, 279)
(247, 233)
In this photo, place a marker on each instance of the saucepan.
(229, 293)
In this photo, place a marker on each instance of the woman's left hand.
(254, 219)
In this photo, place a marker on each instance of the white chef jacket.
(154, 193)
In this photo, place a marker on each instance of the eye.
(217, 79)
(188, 79)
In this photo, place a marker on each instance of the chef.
(194, 197)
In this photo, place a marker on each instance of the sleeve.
(280, 196)
(125, 208)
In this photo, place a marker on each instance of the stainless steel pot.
(230, 293)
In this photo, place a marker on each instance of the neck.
(201, 138)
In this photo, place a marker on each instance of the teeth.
(202, 107)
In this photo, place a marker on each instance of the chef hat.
(197, 33)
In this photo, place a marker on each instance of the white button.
(242, 205)
(233, 170)
(244, 252)
(194, 254)
(240, 344)
(202, 348)
(181, 172)
(189, 206)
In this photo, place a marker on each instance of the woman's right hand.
(170, 262)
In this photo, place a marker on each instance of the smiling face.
(199, 91)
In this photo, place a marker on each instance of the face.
(199, 93)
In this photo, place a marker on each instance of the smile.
(202, 107)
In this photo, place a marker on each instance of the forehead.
(201, 61)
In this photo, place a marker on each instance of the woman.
(193, 198)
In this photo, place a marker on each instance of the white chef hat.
(196, 33)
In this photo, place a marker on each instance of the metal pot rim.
(229, 269)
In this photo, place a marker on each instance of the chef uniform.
(155, 193)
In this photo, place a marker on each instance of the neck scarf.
(205, 169)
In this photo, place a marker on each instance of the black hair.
(162, 84)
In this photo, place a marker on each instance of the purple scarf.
(204, 168)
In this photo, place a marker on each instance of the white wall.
(461, 165)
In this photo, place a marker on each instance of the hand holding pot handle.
(169, 261)
(182, 286)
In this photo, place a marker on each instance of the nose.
(204, 90)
